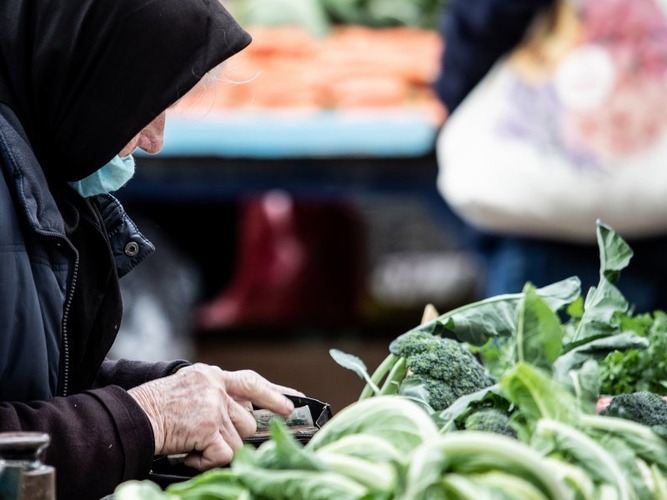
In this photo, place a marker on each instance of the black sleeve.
(128, 374)
(476, 34)
(99, 439)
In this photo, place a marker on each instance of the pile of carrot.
(353, 67)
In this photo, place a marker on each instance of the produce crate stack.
(310, 55)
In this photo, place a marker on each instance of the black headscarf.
(85, 76)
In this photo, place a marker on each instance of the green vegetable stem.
(477, 452)
(586, 453)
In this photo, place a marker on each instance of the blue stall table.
(211, 156)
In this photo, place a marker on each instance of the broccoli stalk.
(375, 386)
(393, 380)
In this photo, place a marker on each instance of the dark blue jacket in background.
(476, 35)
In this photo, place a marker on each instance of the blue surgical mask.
(111, 177)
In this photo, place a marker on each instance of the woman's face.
(150, 138)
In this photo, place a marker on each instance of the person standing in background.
(477, 37)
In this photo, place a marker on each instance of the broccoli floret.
(446, 367)
(489, 420)
(643, 407)
(414, 342)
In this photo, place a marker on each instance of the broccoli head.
(643, 407)
(447, 369)
(490, 420)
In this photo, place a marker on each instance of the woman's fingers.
(223, 402)
(288, 390)
(218, 453)
(249, 385)
(241, 420)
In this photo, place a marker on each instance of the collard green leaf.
(495, 484)
(496, 316)
(463, 404)
(539, 336)
(394, 13)
(659, 483)
(306, 14)
(349, 361)
(537, 395)
(603, 308)
(414, 388)
(584, 383)
(597, 350)
(615, 253)
(472, 452)
(142, 490)
(381, 478)
(397, 419)
(346, 11)
(586, 452)
(300, 484)
(604, 304)
(288, 484)
(218, 483)
(641, 439)
(283, 451)
(365, 446)
(355, 364)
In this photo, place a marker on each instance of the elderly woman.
(83, 83)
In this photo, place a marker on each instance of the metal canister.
(23, 475)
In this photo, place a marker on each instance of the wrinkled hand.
(204, 411)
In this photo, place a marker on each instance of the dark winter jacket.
(38, 275)
(476, 35)
(78, 80)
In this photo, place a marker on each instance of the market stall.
(550, 393)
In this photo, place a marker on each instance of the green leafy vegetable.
(538, 336)
(144, 490)
(394, 418)
(530, 431)
(587, 453)
(472, 451)
(355, 364)
(296, 484)
(642, 367)
(307, 14)
(538, 395)
(496, 317)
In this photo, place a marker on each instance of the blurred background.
(294, 206)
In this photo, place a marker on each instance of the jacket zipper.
(65, 340)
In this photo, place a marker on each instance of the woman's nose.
(151, 138)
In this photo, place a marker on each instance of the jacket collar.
(37, 203)
(23, 169)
